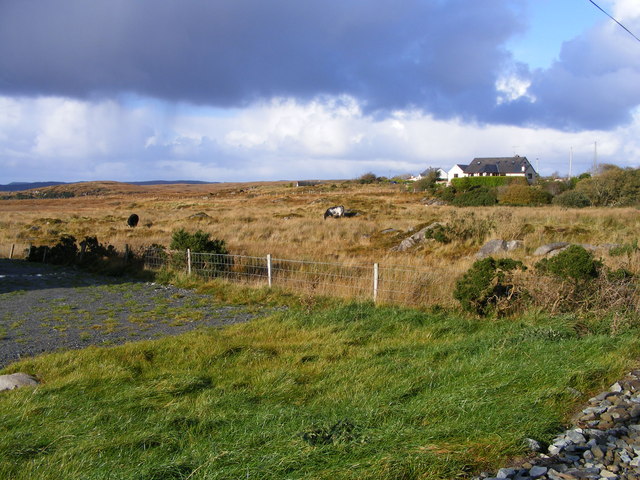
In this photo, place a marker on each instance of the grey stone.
(550, 247)
(16, 380)
(514, 245)
(416, 238)
(533, 445)
(537, 471)
(506, 473)
(492, 247)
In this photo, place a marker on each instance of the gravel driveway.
(45, 308)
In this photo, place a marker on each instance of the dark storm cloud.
(441, 56)
(438, 55)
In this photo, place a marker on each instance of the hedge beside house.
(465, 183)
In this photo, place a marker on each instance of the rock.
(505, 473)
(491, 248)
(533, 445)
(416, 238)
(537, 471)
(514, 245)
(16, 380)
(550, 247)
(199, 216)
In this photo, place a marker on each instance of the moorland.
(324, 388)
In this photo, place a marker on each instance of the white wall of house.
(455, 172)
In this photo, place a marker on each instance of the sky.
(248, 90)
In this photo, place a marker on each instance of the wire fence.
(380, 283)
(388, 284)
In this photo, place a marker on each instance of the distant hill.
(19, 186)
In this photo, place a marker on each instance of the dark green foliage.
(486, 283)
(93, 251)
(368, 177)
(467, 183)
(63, 253)
(575, 263)
(447, 194)
(439, 233)
(476, 197)
(518, 194)
(196, 242)
(572, 199)
(612, 187)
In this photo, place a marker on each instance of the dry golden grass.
(286, 221)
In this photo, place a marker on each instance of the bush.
(196, 242)
(572, 199)
(486, 284)
(467, 183)
(476, 197)
(368, 177)
(575, 264)
(524, 195)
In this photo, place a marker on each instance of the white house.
(494, 167)
(442, 174)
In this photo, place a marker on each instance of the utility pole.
(595, 157)
(570, 161)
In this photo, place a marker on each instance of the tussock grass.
(342, 392)
(259, 218)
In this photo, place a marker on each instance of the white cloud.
(68, 140)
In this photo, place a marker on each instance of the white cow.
(335, 212)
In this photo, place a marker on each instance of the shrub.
(574, 263)
(467, 183)
(524, 195)
(196, 242)
(485, 284)
(572, 199)
(368, 177)
(476, 197)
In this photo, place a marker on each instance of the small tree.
(487, 282)
(196, 242)
(368, 177)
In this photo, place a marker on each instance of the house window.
(455, 175)
(529, 176)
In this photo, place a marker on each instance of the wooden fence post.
(375, 282)
(269, 269)
(188, 261)
(44, 254)
(13, 245)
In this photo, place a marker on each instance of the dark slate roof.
(499, 165)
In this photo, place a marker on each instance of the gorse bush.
(476, 197)
(572, 199)
(485, 284)
(518, 194)
(574, 264)
(196, 242)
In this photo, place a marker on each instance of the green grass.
(351, 391)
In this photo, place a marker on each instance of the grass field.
(323, 389)
(343, 392)
(285, 221)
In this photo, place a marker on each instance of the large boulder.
(492, 247)
(16, 380)
(417, 238)
(550, 247)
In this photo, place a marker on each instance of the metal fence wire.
(387, 284)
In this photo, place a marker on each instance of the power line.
(625, 28)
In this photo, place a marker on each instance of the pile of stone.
(605, 443)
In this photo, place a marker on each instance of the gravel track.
(45, 309)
